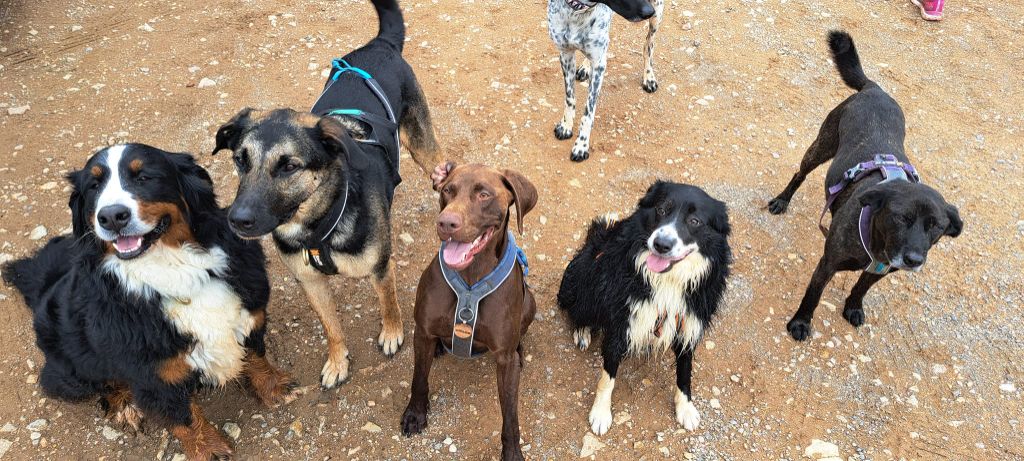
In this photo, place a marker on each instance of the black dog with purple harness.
(883, 218)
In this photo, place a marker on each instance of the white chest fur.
(201, 306)
(667, 304)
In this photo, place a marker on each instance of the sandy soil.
(935, 374)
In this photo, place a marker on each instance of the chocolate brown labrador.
(474, 219)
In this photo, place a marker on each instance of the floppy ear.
(720, 219)
(874, 198)
(440, 174)
(653, 194)
(79, 221)
(230, 133)
(955, 224)
(524, 194)
(196, 185)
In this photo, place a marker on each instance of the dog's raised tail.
(392, 25)
(847, 61)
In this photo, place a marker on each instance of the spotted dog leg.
(583, 72)
(563, 130)
(650, 83)
(581, 149)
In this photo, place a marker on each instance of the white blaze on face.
(112, 192)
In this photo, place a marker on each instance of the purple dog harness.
(892, 170)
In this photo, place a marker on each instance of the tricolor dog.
(322, 182)
(473, 296)
(649, 284)
(151, 297)
(583, 25)
(883, 218)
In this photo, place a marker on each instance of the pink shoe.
(931, 10)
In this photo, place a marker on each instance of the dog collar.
(318, 247)
(469, 297)
(864, 229)
(891, 168)
(579, 5)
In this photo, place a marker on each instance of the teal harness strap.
(468, 304)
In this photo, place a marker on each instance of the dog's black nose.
(242, 218)
(663, 245)
(913, 259)
(646, 11)
(114, 217)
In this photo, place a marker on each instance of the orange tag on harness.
(463, 330)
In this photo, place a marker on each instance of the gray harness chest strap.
(467, 307)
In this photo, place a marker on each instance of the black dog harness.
(469, 297)
(383, 133)
(892, 170)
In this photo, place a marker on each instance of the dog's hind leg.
(563, 130)
(686, 413)
(581, 149)
(612, 351)
(414, 419)
(800, 325)
(509, 369)
(853, 310)
(318, 292)
(650, 83)
(391, 334)
(120, 409)
(820, 151)
(417, 128)
(581, 337)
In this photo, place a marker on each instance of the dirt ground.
(936, 373)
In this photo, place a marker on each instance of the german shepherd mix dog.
(473, 223)
(322, 183)
(650, 283)
(883, 219)
(151, 297)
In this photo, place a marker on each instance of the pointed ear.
(79, 221)
(875, 198)
(524, 194)
(337, 142)
(955, 224)
(653, 194)
(196, 184)
(230, 133)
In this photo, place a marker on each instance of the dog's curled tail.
(847, 61)
(30, 276)
(392, 26)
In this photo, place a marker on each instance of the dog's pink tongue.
(127, 244)
(657, 263)
(455, 252)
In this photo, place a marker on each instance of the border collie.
(650, 283)
(151, 297)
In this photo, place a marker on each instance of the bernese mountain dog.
(150, 298)
(650, 283)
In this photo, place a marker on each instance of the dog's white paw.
(601, 416)
(390, 340)
(580, 151)
(581, 336)
(686, 413)
(335, 372)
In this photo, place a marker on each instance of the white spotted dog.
(583, 25)
(650, 283)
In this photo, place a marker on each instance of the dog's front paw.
(580, 152)
(854, 315)
(128, 418)
(335, 372)
(799, 329)
(686, 413)
(581, 336)
(583, 73)
(778, 206)
(390, 340)
(650, 86)
(600, 417)
(563, 131)
(206, 443)
(414, 420)
(275, 388)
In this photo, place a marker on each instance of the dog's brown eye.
(695, 222)
(447, 190)
(484, 195)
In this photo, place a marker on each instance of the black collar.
(317, 246)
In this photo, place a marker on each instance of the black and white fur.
(608, 287)
(586, 31)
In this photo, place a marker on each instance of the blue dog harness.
(383, 133)
(892, 170)
(469, 297)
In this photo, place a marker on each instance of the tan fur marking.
(271, 385)
(391, 334)
(96, 171)
(318, 292)
(174, 370)
(178, 232)
(258, 319)
(202, 440)
(135, 165)
(120, 410)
